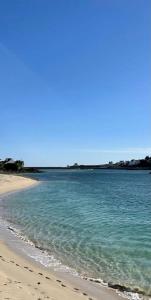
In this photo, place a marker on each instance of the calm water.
(97, 222)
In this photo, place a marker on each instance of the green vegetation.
(10, 165)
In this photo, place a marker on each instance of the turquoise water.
(96, 222)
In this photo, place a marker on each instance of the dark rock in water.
(119, 287)
(123, 288)
(38, 247)
(137, 290)
(97, 281)
(10, 228)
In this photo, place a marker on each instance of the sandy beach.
(11, 183)
(21, 279)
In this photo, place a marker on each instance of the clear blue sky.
(75, 80)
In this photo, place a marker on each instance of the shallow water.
(96, 222)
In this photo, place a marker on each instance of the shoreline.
(62, 285)
(12, 183)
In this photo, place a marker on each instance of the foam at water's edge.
(123, 291)
(43, 257)
(39, 254)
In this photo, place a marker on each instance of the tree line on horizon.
(10, 165)
(144, 163)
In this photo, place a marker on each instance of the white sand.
(10, 183)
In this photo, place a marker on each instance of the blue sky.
(75, 80)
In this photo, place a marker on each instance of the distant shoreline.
(10, 166)
(91, 167)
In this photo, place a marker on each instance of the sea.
(93, 223)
